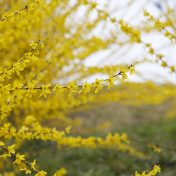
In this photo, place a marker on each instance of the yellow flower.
(72, 87)
(67, 130)
(172, 68)
(124, 76)
(58, 89)
(110, 82)
(97, 85)
(41, 173)
(132, 69)
(61, 172)
(24, 168)
(45, 90)
(164, 64)
(93, 5)
(156, 169)
(33, 165)
(11, 149)
(2, 143)
(19, 159)
(86, 88)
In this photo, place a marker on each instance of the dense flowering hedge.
(43, 48)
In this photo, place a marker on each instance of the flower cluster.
(23, 165)
(155, 171)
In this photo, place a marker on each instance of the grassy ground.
(107, 162)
